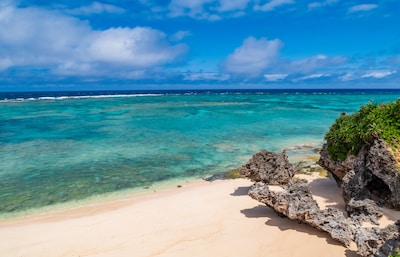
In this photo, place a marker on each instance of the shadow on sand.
(329, 190)
(240, 191)
(283, 223)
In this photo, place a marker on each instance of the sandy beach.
(198, 219)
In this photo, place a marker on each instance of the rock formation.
(271, 168)
(377, 242)
(292, 197)
(372, 174)
(295, 201)
(364, 211)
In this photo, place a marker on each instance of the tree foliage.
(349, 133)
(395, 254)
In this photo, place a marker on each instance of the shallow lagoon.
(59, 149)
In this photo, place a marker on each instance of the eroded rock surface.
(271, 168)
(364, 211)
(295, 201)
(372, 174)
(377, 242)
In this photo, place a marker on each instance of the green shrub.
(395, 254)
(349, 133)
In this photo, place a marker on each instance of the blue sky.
(163, 44)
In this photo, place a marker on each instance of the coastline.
(297, 153)
(198, 219)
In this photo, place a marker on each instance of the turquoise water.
(59, 149)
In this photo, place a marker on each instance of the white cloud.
(232, 5)
(192, 8)
(97, 8)
(347, 76)
(217, 9)
(378, 74)
(253, 57)
(313, 76)
(275, 77)
(179, 35)
(314, 5)
(313, 63)
(140, 47)
(64, 44)
(273, 4)
(375, 74)
(362, 8)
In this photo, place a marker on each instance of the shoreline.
(177, 218)
(297, 153)
(101, 199)
(200, 218)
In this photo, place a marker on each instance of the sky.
(188, 44)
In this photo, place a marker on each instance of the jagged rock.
(337, 168)
(360, 182)
(377, 242)
(271, 168)
(295, 201)
(364, 211)
(372, 174)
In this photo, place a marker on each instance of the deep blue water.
(62, 146)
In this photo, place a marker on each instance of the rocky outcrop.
(268, 167)
(364, 211)
(377, 242)
(292, 197)
(372, 174)
(338, 168)
(295, 201)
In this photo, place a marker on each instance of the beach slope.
(198, 219)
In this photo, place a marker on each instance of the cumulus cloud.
(253, 57)
(362, 8)
(273, 4)
(67, 45)
(140, 47)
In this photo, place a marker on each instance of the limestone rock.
(372, 174)
(364, 211)
(376, 242)
(337, 168)
(366, 181)
(295, 201)
(271, 168)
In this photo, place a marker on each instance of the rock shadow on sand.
(327, 189)
(240, 191)
(283, 223)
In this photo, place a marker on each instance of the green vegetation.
(233, 174)
(395, 254)
(350, 132)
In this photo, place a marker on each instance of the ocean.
(61, 147)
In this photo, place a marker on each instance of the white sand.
(200, 219)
